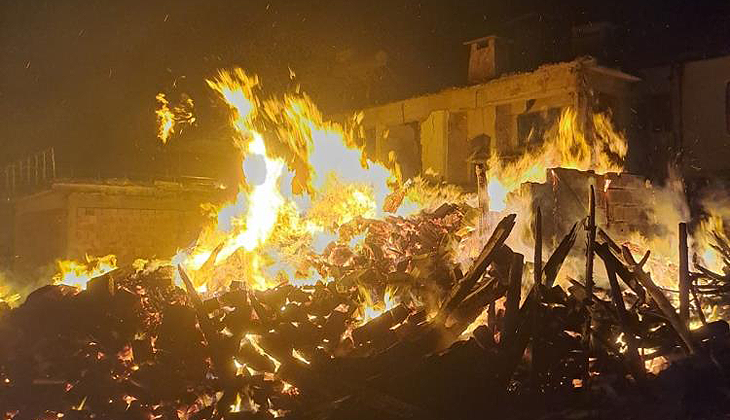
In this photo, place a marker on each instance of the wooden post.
(590, 243)
(483, 197)
(684, 281)
(536, 366)
(514, 295)
(538, 248)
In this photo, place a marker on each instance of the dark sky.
(83, 75)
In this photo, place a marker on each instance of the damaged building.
(509, 111)
(46, 216)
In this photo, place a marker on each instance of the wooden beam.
(590, 244)
(514, 295)
(684, 280)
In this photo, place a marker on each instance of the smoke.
(16, 286)
(711, 230)
(668, 208)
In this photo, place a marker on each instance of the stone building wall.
(506, 109)
(71, 220)
(624, 202)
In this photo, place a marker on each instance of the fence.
(29, 174)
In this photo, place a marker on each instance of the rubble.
(135, 345)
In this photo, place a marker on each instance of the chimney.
(488, 58)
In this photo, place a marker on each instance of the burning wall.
(512, 111)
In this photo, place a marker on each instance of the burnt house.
(511, 110)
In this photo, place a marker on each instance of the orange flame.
(74, 273)
(293, 201)
(565, 146)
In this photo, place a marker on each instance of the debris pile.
(501, 339)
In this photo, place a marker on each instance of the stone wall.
(506, 109)
(624, 202)
(72, 220)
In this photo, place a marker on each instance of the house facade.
(437, 131)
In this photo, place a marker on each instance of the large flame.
(293, 200)
(566, 145)
(304, 177)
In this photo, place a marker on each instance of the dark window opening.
(532, 126)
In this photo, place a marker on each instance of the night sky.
(83, 75)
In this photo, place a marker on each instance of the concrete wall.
(624, 203)
(685, 111)
(39, 230)
(706, 140)
(130, 221)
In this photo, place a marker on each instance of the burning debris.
(132, 344)
(330, 287)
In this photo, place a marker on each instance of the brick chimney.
(488, 58)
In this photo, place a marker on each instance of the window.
(532, 126)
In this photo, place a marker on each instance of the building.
(436, 131)
(686, 113)
(45, 217)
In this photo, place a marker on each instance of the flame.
(236, 406)
(7, 295)
(710, 231)
(168, 118)
(373, 309)
(566, 145)
(165, 118)
(74, 273)
(290, 202)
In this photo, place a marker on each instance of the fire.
(74, 273)
(708, 236)
(165, 118)
(168, 118)
(7, 295)
(371, 309)
(303, 178)
(566, 145)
